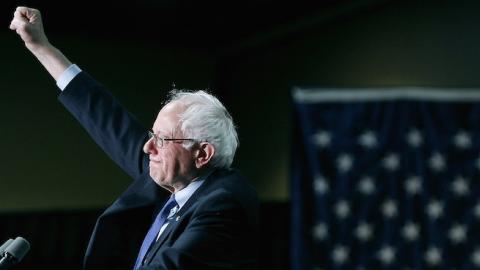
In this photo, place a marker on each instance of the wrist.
(50, 57)
(40, 49)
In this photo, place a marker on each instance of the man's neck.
(199, 175)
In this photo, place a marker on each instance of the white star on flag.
(414, 138)
(366, 185)
(460, 186)
(344, 162)
(322, 139)
(413, 185)
(342, 209)
(437, 162)
(320, 184)
(435, 209)
(391, 162)
(389, 208)
(433, 256)
(368, 139)
(320, 231)
(476, 257)
(457, 234)
(411, 231)
(364, 232)
(386, 255)
(340, 254)
(462, 140)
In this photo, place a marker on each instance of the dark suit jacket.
(216, 229)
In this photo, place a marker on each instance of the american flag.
(386, 179)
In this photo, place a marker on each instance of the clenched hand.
(27, 22)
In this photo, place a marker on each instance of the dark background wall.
(250, 53)
(401, 43)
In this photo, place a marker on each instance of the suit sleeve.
(113, 128)
(219, 236)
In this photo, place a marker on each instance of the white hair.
(206, 119)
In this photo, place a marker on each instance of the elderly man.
(206, 220)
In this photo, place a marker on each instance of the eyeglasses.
(160, 142)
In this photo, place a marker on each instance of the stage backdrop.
(386, 179)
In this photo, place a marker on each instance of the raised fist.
(27, 22)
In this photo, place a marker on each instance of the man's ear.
(204, 154)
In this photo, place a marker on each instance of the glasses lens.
(152, 135)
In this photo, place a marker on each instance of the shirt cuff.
(67, 76)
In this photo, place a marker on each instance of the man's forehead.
(167, 119)
(164, 126)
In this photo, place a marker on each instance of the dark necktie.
(168, 210)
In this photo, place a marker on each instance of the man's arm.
(27, 22)
(113, 128)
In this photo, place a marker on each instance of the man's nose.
(149, 146)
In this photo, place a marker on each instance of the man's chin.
(162, 183)
(167, 187)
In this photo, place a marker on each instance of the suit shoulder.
(232, 180)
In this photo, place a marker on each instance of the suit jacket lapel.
(171, 225)
(174, 221)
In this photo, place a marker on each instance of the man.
(205, 217)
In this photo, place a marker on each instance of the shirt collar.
(182, 196)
